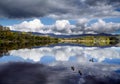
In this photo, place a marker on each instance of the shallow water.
(61, 64)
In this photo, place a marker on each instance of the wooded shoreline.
(10, 37)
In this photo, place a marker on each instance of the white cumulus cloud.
(28, 26)
(64, 27)
(104, 27)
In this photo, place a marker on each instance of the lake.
(60, 64)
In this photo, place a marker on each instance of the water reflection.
(66, 53)
(60, 73)
(61, 65)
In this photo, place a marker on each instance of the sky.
(66, 17)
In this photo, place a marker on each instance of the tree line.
(7, 36)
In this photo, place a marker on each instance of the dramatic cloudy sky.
(61, 16)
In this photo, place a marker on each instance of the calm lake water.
(61, 64)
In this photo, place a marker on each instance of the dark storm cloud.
(28, 8)
(96, 2)
(21, 8)
(58, 8)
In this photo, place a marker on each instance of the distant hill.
(69, 36)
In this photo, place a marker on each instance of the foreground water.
(61, 64)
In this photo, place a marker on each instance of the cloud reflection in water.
(27, 69)
(34, 73)
(65, 53)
